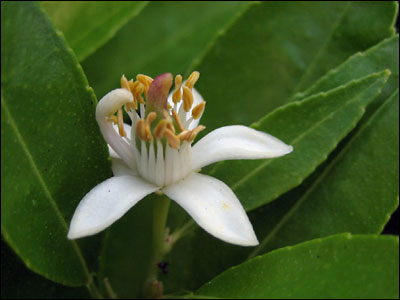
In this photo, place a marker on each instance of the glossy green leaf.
(341, 267)
(278, 48)
(383, 55)
(313, 127)
(87, 25)
(52, 151)
(18, 282)
(357, 192)
(165, 37)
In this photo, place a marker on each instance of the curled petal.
(106, 203)
(107, 106)
(213, 205)
(236, 142)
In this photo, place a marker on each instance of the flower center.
(163, 128)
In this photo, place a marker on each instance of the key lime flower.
(156, 154)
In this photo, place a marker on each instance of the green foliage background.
(321, 76)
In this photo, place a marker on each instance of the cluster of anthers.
(158, 120)
(174, 117)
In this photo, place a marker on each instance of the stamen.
(124, 83)
(198, 110)
(132, 106)
(178, 121)
(177, 95)
(192, 79)
(195, 132)
(141, 129)
(172, 139)
(113, 119)
(149, 136)
(144, 79)
(160, 128)
(139, 91)
(151, 117)
(184, 135)
(187, 98)
(171, 127)
(166, 115)
(121, 123)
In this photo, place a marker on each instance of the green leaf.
(88, 25)
(18, 282)
(164, 37)
(383, 55)
(313, 127)
(357, 192)
(52, 152)
(278, 48)
(341, 266)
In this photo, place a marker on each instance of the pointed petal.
(236, 142)
(106, 203)
(120, 168)
(213, 205)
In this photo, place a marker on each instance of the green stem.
(93, 290)
(160, 213)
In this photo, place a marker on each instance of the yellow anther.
(113, 119)
(144, 79)
(141, 129)
(184, 135)
(177, 95)
(172, 139)
(124, 83)
(178, 121)
(140, 88)
(160, 128)
(151, 117)
(129, 105)
(195, 131)
(120, 120)
(187, 98)
(167, 116)
(198, 110)
(192, 79)
(171, 127)
(149, 136)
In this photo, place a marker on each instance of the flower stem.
(160, 212)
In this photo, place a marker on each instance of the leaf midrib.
(42, 182)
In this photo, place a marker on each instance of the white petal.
(106, 203)
(108, 105)
(236, 142)
(120, 168)
(213, 205)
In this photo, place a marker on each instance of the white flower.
(157, 155)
